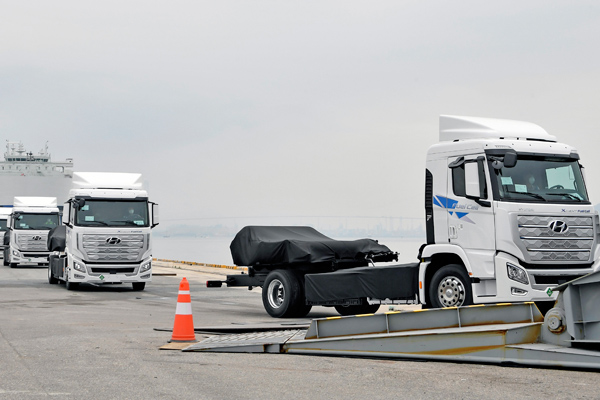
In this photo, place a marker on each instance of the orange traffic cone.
(183, 329)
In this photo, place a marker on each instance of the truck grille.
(557, 238)
(33, 241)
(113, 248)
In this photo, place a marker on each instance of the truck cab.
(108, 220)
(4, 213)
(507, 215)
(28, 224)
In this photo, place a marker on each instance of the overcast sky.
(271, 108)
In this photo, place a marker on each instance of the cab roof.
(454, 127)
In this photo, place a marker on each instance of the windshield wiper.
(569, 195)
(132, 223)
(85, 223)
(537, 196)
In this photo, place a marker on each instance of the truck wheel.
(5, 262)
(450, 287)
(51, 279)
(283, 295)
(70, 285)
(357, 309)
(12, 265)
(138, 286)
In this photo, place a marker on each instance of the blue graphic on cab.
(452, 206)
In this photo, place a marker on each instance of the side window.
(458, 181)
(458, 178)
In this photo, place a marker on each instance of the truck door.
(470, 213)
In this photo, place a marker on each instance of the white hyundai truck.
(507, 218)
(106, 237)
(507, 214)
(28, 224)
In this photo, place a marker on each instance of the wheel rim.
(451, 292)
(276, 293)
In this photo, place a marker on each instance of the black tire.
(283, 295)
(13, 265)
(357, 309)
(138, 286)
(302, 310)
(70, 285)
(5, 262)
(51, 279)
(450, 286)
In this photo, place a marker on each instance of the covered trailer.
(298, 267)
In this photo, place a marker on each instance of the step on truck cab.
(28, 224)
(507, 215)
(107, 232)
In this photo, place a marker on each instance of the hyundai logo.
(558, 226)
(113, 240)
(37, 238)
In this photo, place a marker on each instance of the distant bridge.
(325, 222)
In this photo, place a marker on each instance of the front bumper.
(95, 273)
(17, 256)
(539, 281)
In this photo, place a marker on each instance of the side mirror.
(154, 214)
(510, 159)
(79, 203)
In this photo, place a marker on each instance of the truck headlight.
(78, 266)
(146, 266)
(517, 274)
(15, 253)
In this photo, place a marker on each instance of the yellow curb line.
(202, 264)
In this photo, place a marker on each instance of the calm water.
(215, 250)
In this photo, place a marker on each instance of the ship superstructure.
(23, 173)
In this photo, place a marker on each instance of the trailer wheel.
(283, 295)
(138, 286)
(51, 279)
(450, 287)
(357, 309)
(302, 310)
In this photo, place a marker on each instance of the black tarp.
(281, 245)
(380, 282)
(57, 238)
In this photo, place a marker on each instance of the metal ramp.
(496, 334)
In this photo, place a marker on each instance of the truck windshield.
(2, 225)
(36, 221)
(540, 179)
(112, 213)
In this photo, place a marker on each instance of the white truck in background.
(507, 218)
(4, 213)
(106, 237)
(28, 224)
